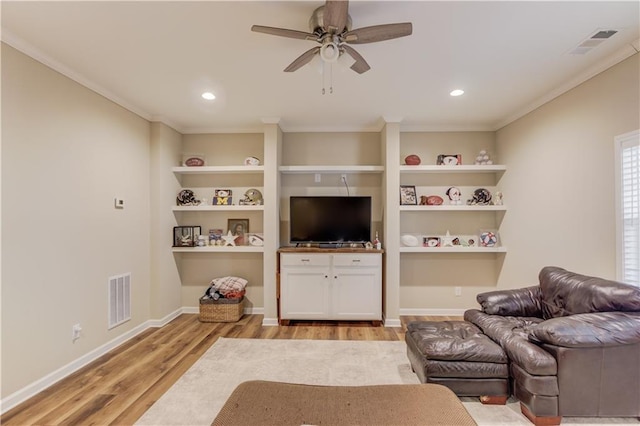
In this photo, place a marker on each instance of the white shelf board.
(331, 169)
(453, 249)
(453, 169)
(447, 207)
(218, 169)
(215, 208)
(219, 249)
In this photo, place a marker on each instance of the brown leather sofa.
(573, 345)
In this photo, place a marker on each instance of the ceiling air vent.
(596, 39)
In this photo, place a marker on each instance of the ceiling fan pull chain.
(331, 78)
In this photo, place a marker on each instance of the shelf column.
(391, 154)
(272, 159)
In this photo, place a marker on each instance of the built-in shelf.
(453, 249)
(447, 207)
(218, 169)
(219, 249)
(331, 169)
(453, 169)
(216, 208)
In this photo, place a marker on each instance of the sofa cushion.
(600, 329)
(512, 334)
(522, 302)
(566, 293)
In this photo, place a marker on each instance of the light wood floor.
(121, 385)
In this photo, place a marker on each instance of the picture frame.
(431, 241)
(464, 240)
(215, 236)
(408, 195)
(239, 228)
(185, 236)
(449, 160)
(222, 197)
(255, 239)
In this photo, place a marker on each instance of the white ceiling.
(156, 58)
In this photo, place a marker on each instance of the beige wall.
(166, 288)
(66, 153)
(560, 180)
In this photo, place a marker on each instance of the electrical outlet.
(75, 332)
(317, 178)
(118, 203)
(458, 291)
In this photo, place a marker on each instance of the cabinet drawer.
(356, 259)
(305, 259)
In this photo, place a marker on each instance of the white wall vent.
(119, 299)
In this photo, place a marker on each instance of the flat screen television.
(330, 219)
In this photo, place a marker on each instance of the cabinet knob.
(355, 260)
(304, 260)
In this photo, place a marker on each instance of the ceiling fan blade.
(283, 32)
(335, 15)
(378, 33)
(360, 65)
(303, 59)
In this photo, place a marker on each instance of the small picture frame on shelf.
(488, 238)
(256, 240)
(193, 160)
(185, 236)
(464, 241)
(215, 237)
(239, 228)
(408, 195)
(431, 241)
(449, 160)
(222, 197)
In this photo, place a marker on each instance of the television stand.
(343, 284)
(331, 245)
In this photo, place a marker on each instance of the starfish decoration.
(229, 239)
(447, 240)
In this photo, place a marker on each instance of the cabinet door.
(304, 287)
(357, 287)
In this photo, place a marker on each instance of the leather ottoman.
(458, 355)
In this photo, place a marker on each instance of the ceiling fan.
(331, 27)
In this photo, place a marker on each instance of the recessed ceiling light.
(208, 96)
(456, 92)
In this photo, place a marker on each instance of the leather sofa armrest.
(600, 329)
(522, 302)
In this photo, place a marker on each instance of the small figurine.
(497, 199)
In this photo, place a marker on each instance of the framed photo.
(408, 195)
(222, 197)
(449, 160)
(255, 240)
(239, 228)
(488, 238)
(185, 236)
(215, 236)
(431, 241)
(464, 241)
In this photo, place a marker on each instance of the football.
(194, 162)
(412, 160)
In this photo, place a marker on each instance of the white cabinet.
(331, 286)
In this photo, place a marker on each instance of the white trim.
(270, 322)
(392, 322)
(618, 142)
(50, 379)
(432, 312)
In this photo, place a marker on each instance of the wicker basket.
(221, 310)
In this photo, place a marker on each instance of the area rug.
(197, 397)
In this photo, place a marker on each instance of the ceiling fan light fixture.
(457, 92)
(208, 96)
(329, 52)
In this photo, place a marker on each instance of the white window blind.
(628, 208)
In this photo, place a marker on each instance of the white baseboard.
(433, 312)
(270, 322)
(392, 322)
(39, 385)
